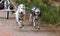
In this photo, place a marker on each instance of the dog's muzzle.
(21, 14)
(37, 13)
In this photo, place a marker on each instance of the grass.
(49, 13)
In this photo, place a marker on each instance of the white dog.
(20, 12)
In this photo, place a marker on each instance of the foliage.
(49, 13)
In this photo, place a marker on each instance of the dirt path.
(9, 27)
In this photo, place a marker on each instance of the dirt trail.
(10, 26)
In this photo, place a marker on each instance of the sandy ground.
(8, 27)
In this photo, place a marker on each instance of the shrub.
(49, 13)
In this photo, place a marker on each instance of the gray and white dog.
(34, 15)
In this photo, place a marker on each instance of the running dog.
(20, 14)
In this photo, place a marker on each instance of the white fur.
(21, 8)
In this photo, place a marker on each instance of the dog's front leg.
(19, 24)
(34, 22)
(17, 20)
(17, 17)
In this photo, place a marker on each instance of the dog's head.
(37, 12)
(21, 6)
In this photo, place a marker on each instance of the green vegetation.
(49, 13)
